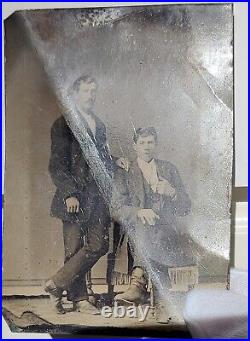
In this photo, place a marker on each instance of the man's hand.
(123, 163)
(147, 215)
(164, 188)
(72, 204)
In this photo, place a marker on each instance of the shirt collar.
(143, 163)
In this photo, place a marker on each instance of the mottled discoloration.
(164, 66)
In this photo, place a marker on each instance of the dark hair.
(83, 79)
(144, 132)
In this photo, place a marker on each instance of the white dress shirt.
(149, 172)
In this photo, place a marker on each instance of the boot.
(55, 295)
(137, 290)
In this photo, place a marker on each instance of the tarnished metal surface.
(170, 67)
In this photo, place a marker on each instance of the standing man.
(78, 201)
(146, 200)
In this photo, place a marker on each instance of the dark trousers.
(80, 255)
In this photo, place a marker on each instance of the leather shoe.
(55, 295)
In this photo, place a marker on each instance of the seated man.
(146, 200)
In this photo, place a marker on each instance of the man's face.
(85, 96)
(145, 147)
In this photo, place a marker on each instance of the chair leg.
(88, 280)
(152, 296)
(111, 289)
(114, 237)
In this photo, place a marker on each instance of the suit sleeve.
(59, 164)
(181, 202)
(121, 209)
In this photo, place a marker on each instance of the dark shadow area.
(128, 333)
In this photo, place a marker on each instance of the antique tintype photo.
(119, 146)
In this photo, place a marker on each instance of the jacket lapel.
(162, 170)
(135, 179)
(89, 131)
(136, 183)
(100, 135)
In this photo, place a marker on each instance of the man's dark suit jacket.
(129, 196)
(71, 173)
(162, 242)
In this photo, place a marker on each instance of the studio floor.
(30, 309)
